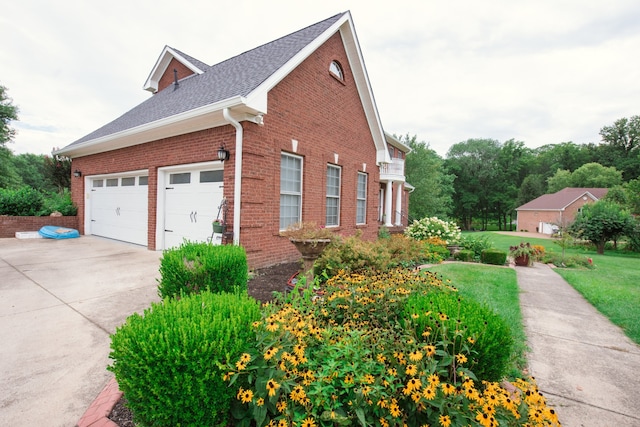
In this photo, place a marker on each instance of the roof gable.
(562, 199)
(168, 54)
(240, 83)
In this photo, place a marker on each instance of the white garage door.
(191, 202)
(119, 208)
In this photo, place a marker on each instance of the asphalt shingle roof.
(237, 76)
(561, 199)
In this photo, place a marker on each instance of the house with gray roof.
(286, 132)
(547, 213)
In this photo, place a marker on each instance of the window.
(290, 190)
(361, 199)
(129, 181)
(333, 195)
(97, 183)
(143, 180)
(211, 176)
(112, 182)
(180, 178)
(336, 70)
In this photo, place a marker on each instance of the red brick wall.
(194, 147)
(530, 220)
(10, 224)
(168, 78)
(309, 105)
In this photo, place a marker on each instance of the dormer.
(171, 66)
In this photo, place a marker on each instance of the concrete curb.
(97, 414)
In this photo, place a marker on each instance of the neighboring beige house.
(548, 212)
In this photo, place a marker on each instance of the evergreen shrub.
(166, 360)
(484, 331)
(464, 255)
(24, 201)
(197, 267)
(493, 257)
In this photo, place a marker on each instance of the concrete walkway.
(586, 367)
(59, 302)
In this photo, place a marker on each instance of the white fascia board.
(151, 84)
(396, 143)
(205, 117)
(354, 53)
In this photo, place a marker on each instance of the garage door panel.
(120, 211)
(190, 208)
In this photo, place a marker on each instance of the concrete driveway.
(59, 302)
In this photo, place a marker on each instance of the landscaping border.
(97, 415)
(9, 225)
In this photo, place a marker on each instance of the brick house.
(286, 132)
(550, 211)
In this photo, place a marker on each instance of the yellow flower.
(461, 358)
(448, 389)
(411, 370)
(270, 353)
(445, 420)
(368, 379)
(246, 396)
(308, 422)
(381, 358)
(430, 349)
(260, 402)
(272, 326)
(245, 358)
(443, 316)
(429, 393)
(272, 386)
(415, 356)
(240, 365)
(283, 423)
(281, 406)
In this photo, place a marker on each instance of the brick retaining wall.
(10, 224)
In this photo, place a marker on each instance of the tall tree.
(621, 146)
(8, 112)
(475, 165)
(586, 176)
(433, 194)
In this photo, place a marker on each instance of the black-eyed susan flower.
(411, 369)
(461, 358)
(308, 422)
(444, 420)
(270, 353)
(281, 406)
(415, 356)
(272, 387)
(246, 396)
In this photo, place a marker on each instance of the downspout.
(237, 185)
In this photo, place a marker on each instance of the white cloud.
(541, 72)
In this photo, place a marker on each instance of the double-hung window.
(361, 199)
(333, 196)
(290, 190)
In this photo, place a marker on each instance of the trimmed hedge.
(166, 361)
(484, 331)
(464, 255)
(493, 257)
(198, 267)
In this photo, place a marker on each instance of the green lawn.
(496, 287)
(613, 287)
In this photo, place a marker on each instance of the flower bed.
(357, 357)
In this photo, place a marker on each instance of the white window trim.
(358, 199)
(338, 197)
(301, 185)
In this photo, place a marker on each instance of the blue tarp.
(54, 232)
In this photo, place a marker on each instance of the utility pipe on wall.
(237, 187)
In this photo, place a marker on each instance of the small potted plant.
(218, 225)
(522, 254)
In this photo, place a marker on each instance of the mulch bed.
(263, 283)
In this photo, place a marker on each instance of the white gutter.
(237, 186)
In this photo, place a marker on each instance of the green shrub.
(483, 330)
(352, 254)
(436, 253)
(59, 202)
(572, 261)
(166, 361)
(24, 201)
(404, 251)
(493, 256)
(196, 267)
(476, 244)
(464, 255)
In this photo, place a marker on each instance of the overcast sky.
(540, 71)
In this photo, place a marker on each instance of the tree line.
(482, 181)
